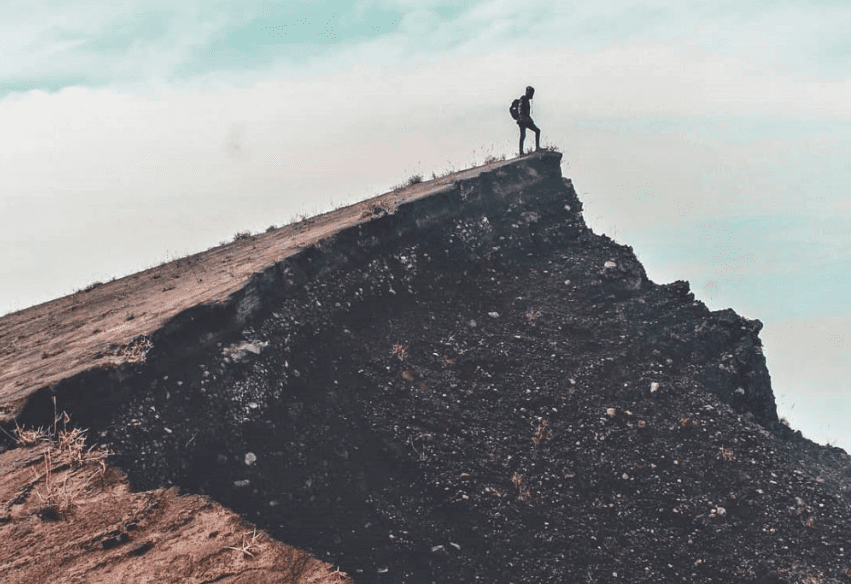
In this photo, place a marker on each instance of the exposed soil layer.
(108, 323)
(477, 388)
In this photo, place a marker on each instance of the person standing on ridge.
(521, 110)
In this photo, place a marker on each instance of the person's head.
(530, 91)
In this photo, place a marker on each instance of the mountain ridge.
(470, 385)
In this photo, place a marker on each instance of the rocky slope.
(476, 387)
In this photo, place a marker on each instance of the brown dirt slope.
(67, 517)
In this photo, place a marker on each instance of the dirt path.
(94, 328)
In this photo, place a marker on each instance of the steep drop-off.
(472, 387)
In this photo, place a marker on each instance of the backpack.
(514, 110)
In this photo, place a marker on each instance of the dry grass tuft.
(27, 438)
(542, 431)
(400, 351)
(247, 546)
(61, 447)
(517, 479)
(524, 494)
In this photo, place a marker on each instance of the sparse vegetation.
(542, 432)
(241, 235)
(62, 446)
(247, 545)
(28, 438)
(516, 479)
(400, 351)
(415, 179)
(532, 316)
(523, 492)
(271, 228)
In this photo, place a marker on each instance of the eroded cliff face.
(473, 386)
(513, 218)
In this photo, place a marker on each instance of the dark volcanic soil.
(477, 388)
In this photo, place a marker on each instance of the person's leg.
(522, 137)
(537, 131)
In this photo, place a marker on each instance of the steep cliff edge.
(469, 385)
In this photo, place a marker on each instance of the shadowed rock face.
(476, 387)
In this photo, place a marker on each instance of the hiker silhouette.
(521, 110)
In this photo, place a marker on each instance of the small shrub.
(270, 228)
(415, 179)
(240, 235)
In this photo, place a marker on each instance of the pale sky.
(712, 137)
